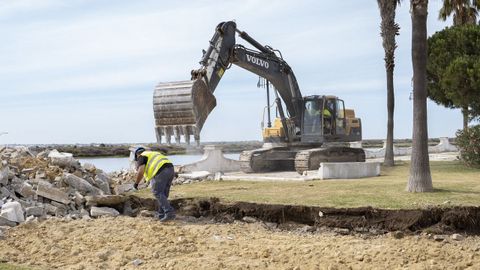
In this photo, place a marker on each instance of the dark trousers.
(161, 188)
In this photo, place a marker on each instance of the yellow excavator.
(310, 130)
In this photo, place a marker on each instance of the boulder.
(89, 167)
(63, 160)
(103, 211)
(36, 211)
(101, 181)
(46, 190)
(81, 185)
(13, 211)
(120, 189)
(6, 222)
(4, 175)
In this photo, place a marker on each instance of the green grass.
(6, 266)
(452, 181)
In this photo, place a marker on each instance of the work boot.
(167, 217)
(160, 215)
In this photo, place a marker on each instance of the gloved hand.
(135, 186)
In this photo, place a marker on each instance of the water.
(110, 164)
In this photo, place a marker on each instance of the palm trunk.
(389, 154)
(420, 179)
(465, 114)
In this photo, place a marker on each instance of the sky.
(83, 71)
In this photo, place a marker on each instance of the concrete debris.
(4, 176)
(457, 237)
(46, 190)
(81, 185)
(51, 183)
(248, 219)
(6, 222)
(137, 262)
(36, 211)
(13, 211)
(439, 237)
(103, 211)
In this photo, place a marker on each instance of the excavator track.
(254, 160)
(310, 159)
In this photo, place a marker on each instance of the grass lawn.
(454, 184)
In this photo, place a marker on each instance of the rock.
(137, 262)
(147, 213)
(4, 175)
(31, 219)
(46, 190)
(103, 211)
(120, 189)
(439, 237)
(457, 237)
(79, 199)
(81, 185)
(248, 219)
(40, 175)
(398, 235)
(271, 225)
(342, 231)
(89, 167)
(13, 211)
(35, 211)
(6, 222)
(50, 209)
(63, 160)
(105, 200)
(102, 184)
(320, 214)
(308, 229)
(23, 188)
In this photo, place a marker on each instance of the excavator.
(309, 130)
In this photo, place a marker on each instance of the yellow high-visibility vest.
(326, 113)
(154, 163)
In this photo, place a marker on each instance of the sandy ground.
(114, 243)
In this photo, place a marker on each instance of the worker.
(155, 167)
(327, 117)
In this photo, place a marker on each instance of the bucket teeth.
(181, 108)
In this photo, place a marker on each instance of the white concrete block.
(348, 170)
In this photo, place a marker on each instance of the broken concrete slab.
(6, 222)
(103, 211)
(105, 200)
(4, 175)
(81, 185)
(79, 198)
(63, 160)
(36, 211)
(13, 211)
(46, 190)
(23, 188)
(120, 189)
(101, 181)
(196, 175)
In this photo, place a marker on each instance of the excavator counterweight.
(181, 108)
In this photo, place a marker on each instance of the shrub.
(468, 141)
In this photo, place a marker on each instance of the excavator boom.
(181, 108)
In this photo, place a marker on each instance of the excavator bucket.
(181, 108)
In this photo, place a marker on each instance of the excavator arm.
(181, 108)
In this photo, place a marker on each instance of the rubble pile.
(50, 183)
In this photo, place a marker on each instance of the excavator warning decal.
(220, 72)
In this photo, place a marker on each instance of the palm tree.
(389, 29)
(464, 12)
(420, 179)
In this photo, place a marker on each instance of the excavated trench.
(364, 219)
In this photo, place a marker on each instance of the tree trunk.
(389, 154)
(465, 118)
(420, 179)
